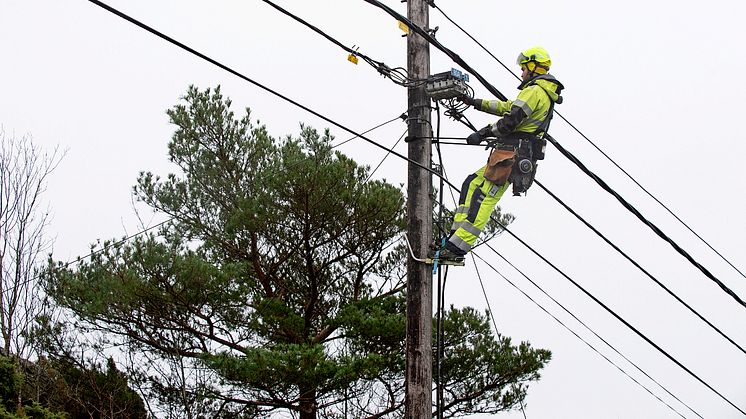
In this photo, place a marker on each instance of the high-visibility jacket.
(479, 195)
(529, 110)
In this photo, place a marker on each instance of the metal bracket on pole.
(435, 260)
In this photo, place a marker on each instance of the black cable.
(398, 75)
(578, 336)
(402, 116)
(597, 147)
(92, 253)
(564, 152)
(234, 72)
(654, 198)
(571, 314)
(637, 265)
(434, 42)
(255, 83)
(644, 220)
(618, 317)
(453, 198)
(79, 258)
(387, 154)
(441, 282)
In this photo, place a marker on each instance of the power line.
(398, 75)
(130, 237)
(587, 327)
(493, 90)
(618, 317)
(637, 265)
(492, 315)
(246, 78)
(402, 116)
(562, 150)
(386, 156)
(234, 72)
(644, 220)
(432, 3)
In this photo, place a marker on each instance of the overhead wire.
(91, 254)
(569, 312)
(489, 307)
(576, 129)
(130, 237)
(397, 74)
(228, 69)
(453, 199)
(638, 266)
(618, 317)
(493, 250)
(437, 44)
(574, 316)
(252, 81)
(631, 208)
(580, 337)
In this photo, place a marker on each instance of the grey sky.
(654, 84)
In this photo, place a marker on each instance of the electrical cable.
(388, 153)
(573, 315)
(453, 199)
(79, 258)
(654, 198)
(637, 265)
(562, 150)
(576, 318)
(644, 220)
(255, 83)
(579, 337)
(618, 317)
(402, 116)
(234, 72)
(434, 42)
(92, 253)
(398, 75)
(432, 3)
(587, 327)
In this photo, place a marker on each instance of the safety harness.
(514, 157)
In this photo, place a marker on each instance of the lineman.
(519, 144)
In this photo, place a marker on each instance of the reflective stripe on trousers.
(476, 203)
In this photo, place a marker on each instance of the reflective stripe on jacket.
(534, 100)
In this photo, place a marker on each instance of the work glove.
(466, 100)
(476, 137)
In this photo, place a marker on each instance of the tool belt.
(513, 159)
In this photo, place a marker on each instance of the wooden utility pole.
(419, 374)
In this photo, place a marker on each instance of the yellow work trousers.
(476, 203)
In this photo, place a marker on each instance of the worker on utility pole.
(517, 142)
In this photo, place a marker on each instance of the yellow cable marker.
(403, 26)
(352, 58)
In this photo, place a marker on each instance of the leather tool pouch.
(499, 166)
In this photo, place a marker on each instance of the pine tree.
(280, 272)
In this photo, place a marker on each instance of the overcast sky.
(656, 85)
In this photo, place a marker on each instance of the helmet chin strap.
(532, 67)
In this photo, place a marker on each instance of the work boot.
(447, 254)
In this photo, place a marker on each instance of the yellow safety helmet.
(538, 55)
